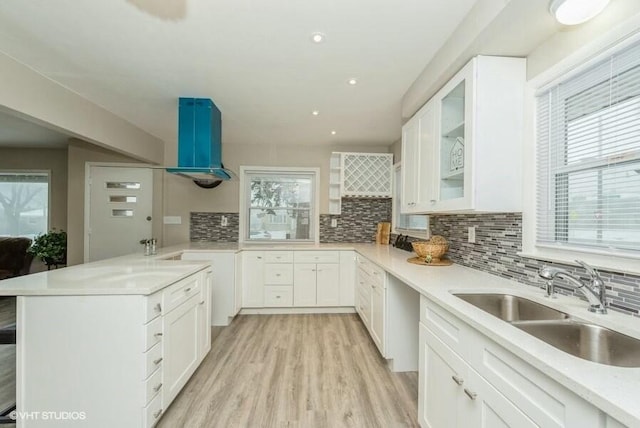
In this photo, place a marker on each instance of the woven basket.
(425, 248)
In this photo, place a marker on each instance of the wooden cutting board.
(383, 233)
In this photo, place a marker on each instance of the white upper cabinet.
(462, 150)
(418, 141)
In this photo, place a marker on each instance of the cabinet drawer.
(278, 296)
(376, 273)
(278, 274)
(179, 292)
(153, 333)
(153, 306)
(278, 256)
(152, 412)
(317, 257)
(152, 386)
(152, 360)
(445, 326)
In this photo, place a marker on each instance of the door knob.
(148, 218)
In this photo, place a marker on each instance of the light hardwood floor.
(295, 371)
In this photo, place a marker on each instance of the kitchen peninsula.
(115, 325)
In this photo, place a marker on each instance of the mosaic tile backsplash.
(499, 239)
(358, 221)
(208, 227)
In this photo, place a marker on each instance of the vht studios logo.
(48, 416)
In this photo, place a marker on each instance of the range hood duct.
(199, 143)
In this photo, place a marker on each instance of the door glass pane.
(451, 180)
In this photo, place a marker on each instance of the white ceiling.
(254, 58)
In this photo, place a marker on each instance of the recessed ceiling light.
(574, 12)
(352, 81)
(333, 132)
(315, 112)
(317, 37)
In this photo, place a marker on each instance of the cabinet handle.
(186, 290)
(158, 334)
(259, 257)
(457, 379)
(376, 272)
(471, 395)
(157, 387)
(158, 361)
(277, 297)
(373, 286)
(157, 414)
(277, 274)
(158, 308)
(433, 201)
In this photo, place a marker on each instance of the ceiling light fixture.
(352, 81)
(574, 12)
(333, 132)
(317, 37)
(315, 112)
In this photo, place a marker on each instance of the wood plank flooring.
(295, 371)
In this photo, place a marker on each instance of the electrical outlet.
(223, 221)
(471, 236)
(334, 222)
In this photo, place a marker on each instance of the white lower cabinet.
(180, 347)
(253, 279)
(371, 300)
(452, 394)
(299, 278)
(468, 380)
(226, 291)
(119, 360)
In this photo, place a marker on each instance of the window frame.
(414, 233)
(245, 206)
(36, 171)
(573, 64)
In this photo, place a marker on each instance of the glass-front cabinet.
(451, 171)
(462, 151)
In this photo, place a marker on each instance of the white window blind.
(588, 157)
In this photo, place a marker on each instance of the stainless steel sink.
(587, 341)
(512, 308)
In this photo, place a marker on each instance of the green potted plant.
(51, 247)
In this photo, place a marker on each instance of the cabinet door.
(253, 279)
(442, 376)
(347, 278)
(423, 176)
(410, 167)
(237, 284)
(204, 317)
(378, 300)
(180, 348)
(453, 155)
(304, 284)
(488, 408)
(328, 284)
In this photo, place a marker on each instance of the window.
(416, 225)
(588, 148)
(24, 203)
(279, 204)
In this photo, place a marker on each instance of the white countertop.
(612, 389)
(615, 390)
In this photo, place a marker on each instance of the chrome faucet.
(594, 290)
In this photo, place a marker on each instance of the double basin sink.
(558, 329)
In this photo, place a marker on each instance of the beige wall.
(80, 152)
(182, 196)
(28, 94)
(53, 160)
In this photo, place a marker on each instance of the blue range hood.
(199, 142)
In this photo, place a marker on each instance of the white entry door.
(120, 207)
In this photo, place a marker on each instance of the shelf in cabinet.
(454, 175)
(456, 131)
